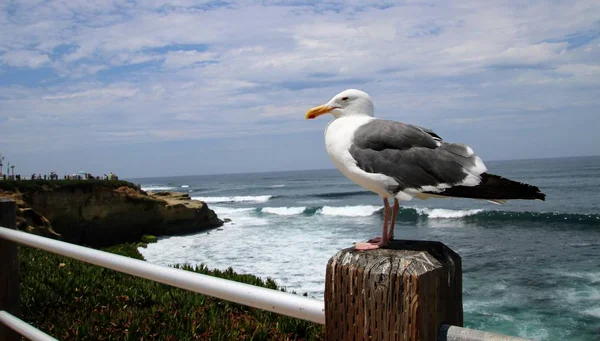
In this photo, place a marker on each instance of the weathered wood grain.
(402, 293)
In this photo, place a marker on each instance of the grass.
(72, 300)
(37, 185)
(148, 238)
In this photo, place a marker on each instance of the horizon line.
(332, 168)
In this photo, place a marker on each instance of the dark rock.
(103, 216)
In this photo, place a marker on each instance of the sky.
(159, 88)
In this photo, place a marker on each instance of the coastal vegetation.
(38, 185)
(148, 238)
(73, 300)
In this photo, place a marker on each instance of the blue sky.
(151, 88)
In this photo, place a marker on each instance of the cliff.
(101, 213)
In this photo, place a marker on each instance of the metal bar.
(280, 302)
(23, 328)
(267, 299)
(453, 333)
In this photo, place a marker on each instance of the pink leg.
(376, 243)
(394, 216)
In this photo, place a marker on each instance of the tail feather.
(495, 188)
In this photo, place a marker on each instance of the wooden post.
(9, 270)
(405, 292)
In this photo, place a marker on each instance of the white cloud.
(179, 59)
(134, 58)
(580, 70)
(158, 70)
(111, 92)
(23, 58)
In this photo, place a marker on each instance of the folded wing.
(417, 158)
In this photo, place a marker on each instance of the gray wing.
(431, 133)
(415, 157)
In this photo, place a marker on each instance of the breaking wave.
(479, 215)
(230, 210)
(547, 217)
(413, 214)
(349, 211)
(442, 213)
(157, 188)
(255, 199)
(284, 210)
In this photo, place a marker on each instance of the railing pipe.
(23, 328)
(280, 302)
(267, 299)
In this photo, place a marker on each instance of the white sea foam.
(240, 216)
(367, 210)
(580, 295)
(522, 303)
(257, 199)
(185, 186)
(593, 277)
(532, 329)
(350, 211)
(156, 188)
(314, 202)
(441, 213)
(277, 186)
(593, 312)
(284, 210)
(230, 210)
(260, 244)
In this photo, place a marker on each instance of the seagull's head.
(346, 103)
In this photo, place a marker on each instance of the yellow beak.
(318, 111)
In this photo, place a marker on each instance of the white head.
(346, 103)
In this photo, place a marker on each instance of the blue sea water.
(530, 268)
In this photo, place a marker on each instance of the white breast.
(338, 139)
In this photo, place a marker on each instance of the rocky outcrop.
(31, 221)
(106, 215)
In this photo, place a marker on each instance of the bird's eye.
(344, 98)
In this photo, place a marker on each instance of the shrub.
(72, 300)
(148, 238)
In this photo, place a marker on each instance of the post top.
(403, 246)
(414, 256)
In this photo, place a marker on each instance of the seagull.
(400, 161)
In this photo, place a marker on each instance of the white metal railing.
(23, 328)
(280, 302)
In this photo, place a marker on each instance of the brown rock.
(31, 221)
(101, 215)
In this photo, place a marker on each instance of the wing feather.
(416, 157)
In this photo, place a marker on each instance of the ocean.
(530, 268)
